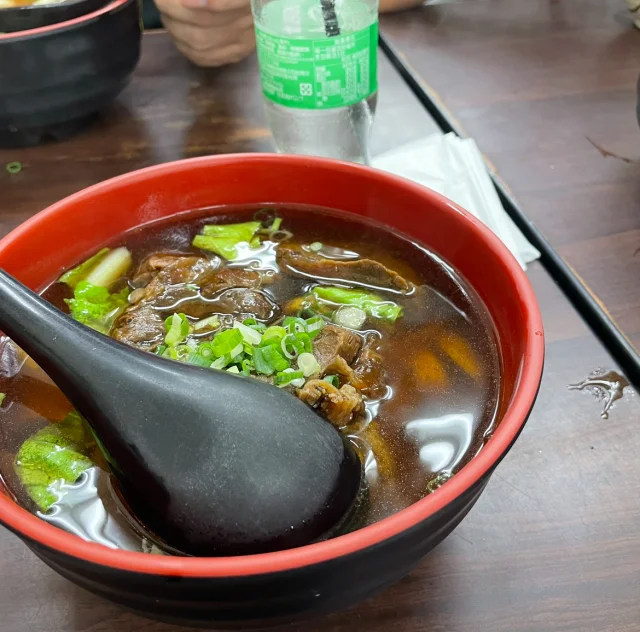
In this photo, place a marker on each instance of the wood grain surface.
(547, 88)
(553, 545)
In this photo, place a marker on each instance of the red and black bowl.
(57, 76)
(24, 17)
(321, 577)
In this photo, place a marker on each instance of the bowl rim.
(67, 24)
(27, 524)
(51, 4)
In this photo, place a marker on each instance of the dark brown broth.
(438, 412)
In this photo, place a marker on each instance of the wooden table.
(553, 545)
(547, 88)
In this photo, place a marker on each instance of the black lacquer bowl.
(55, 78)
(324, 576)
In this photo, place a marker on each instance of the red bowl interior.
(63, 234)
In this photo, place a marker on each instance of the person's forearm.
(387, 6)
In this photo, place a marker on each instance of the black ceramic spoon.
(212, 463)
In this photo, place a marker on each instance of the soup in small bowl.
(399, 318)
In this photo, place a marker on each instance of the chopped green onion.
(205, 350)
(14, 167)
(294, 325)
(2, 398)
(316, 246)
(233, 369)
(273, 356)
(228, 342)
(178, 329)
(262, 365)
(314, 325)
(249, 335)
(350, 317)
(289, 376)
(291, 346)
(332, 379)
(247, 348)
(273, 334)
(161, 349)
(220, 363)
(305, 339)
(275, 226)
(212, 322)
(254, 324)
(192, 286)
(182, 353)
(247, 366)
(308, 364)
(196, 358)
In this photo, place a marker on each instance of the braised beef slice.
(339, 406)
(366, 374)
(227, 290)
(140, 326)
(334, 341)
(294, 260)
(369, 370)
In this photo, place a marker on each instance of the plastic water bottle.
(318, 65)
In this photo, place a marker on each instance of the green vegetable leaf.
(95, 307)
(223, 238)
(372, 304)
(2, 398)
(59, 453)
(79, 273)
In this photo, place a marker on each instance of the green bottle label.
(318, 74)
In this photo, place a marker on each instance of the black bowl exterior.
(27, 17)
(262, 600)
(53, 82)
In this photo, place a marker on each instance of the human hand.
(210, 32)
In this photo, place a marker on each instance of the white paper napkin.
(454, 167)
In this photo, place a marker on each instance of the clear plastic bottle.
(318, 63)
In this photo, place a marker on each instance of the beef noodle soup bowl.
(398, 317)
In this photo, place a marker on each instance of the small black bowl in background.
(26, 17)
(56, 78)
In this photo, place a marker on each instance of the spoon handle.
(64, 349)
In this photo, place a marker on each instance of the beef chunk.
(140, 326)
(335, 341)
(339, 406)
(294, 260)
(162, 287)
(369, 370)
(366, 374)
(243, 301)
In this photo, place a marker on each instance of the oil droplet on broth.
(607, 387)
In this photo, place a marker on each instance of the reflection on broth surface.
(377, 333)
